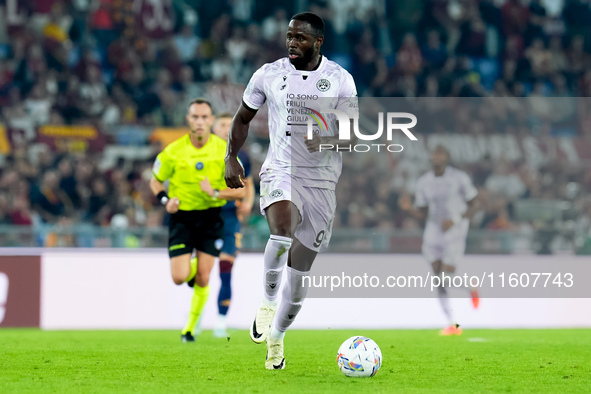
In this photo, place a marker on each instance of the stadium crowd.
(110, 63)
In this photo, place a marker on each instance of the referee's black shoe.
(191, 282)
(188, 337)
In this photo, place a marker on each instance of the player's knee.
(282, 231)
(178, 279)
(202, 280)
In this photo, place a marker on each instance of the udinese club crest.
(276, 193)
(323, 85)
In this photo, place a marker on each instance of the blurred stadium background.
(91, 90)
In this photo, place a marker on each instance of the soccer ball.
(359, 357)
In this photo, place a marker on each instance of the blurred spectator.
(48, 199)
(31, 67)
(186, 86)
(68, 182)
(505, 183)
(186, 43)
(578, 59)
(38, 105)
(98, 211)
(20, 213)
(102, 25)
(275, 26)
(4, 210)
(409, 59)
(93, 93)
(472, 37)
(539, 59)
(558, 61)
(434, 52)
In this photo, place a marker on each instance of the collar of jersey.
(306, 73)
(204, 145)
(445, 172)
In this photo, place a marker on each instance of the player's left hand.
(313, 145)
(206, 187)
(234, 173)
(447, 224)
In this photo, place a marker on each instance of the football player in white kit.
(447, 198)
(297, 180)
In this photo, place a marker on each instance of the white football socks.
(275, 258)
(294, 294)
(444, 301)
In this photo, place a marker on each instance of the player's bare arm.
(236, 138)
(405, 203)
(470, 211)
(171, 205)
(473, 207)
(334, 142)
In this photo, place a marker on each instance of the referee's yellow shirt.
(186, 166)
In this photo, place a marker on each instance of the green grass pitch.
(413, 361)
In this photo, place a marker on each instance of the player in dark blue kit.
(234, 213)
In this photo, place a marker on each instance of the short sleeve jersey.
(186, 166)
(290, 95)
(445, 196)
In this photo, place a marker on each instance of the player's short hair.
(313, 20)
(443, 148)
(201, 100)
(224, 115)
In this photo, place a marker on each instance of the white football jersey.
(291, 95)
(445, 196)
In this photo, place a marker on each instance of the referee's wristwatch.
(216, 193)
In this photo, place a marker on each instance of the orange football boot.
(451, 330)
(475, 298)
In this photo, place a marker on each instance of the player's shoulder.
(456, 172)
(335, 68)
(278, 65)
(425, 177)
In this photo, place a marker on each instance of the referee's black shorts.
(201, 230)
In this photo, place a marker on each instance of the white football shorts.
(448, 246)
(316, 207)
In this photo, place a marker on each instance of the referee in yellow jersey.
(194, 164)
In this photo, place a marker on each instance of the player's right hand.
(447, 224)
(404, 202)
(172, 205)
(234, 173)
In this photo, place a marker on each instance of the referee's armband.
(162, 197)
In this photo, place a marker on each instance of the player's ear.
(319, 41)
